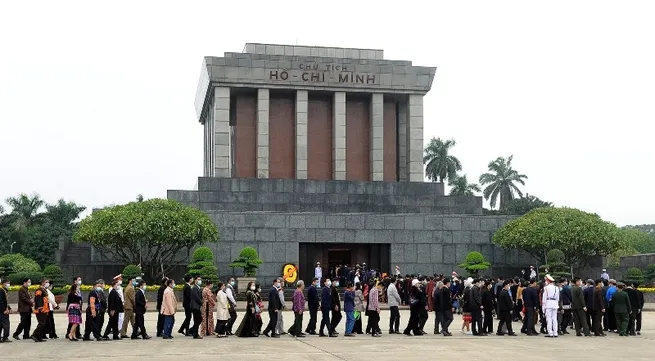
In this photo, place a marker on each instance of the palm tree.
(461, 186)
(439, 164)
(25, 208)
(501, 181)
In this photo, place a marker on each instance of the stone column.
(222, 151)
(339, 136)
(376, 151)
(402, 140)
(415, 139)
(301, 134)
(262, 133)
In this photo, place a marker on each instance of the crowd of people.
(589, 307)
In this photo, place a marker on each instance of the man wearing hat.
(605, 275)
(550, 304)
(533, 273)
(318, 272)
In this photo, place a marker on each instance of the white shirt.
(550, 297)
(318, 272)
(230, 296)
(533, 274)
(51, 300)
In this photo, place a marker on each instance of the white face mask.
(79, 283)
(29, 284)
(252, 288)
(46, 285)
(328, 284)
(7, 285)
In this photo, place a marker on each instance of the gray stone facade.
(427, 232)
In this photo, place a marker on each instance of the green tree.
(439, 164)
(555, 265)
(474, 263)
(209, 273)
(579, 235)
(20, 263)
(461, 186)
(202, 257)
(501, 182)
(131, 272)
(633, 274)
(640, 238)
(55, 275)
(25, 208)
(150, 233)
(523, 205)
(650, 272)
(248, 260)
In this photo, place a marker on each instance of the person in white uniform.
(318, 272)
(550, 304)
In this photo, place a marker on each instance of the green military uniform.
(622, 310)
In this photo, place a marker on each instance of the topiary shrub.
(209, 273)
(21, 263)
(55, 275)
(18, 277)
(131, 272)
(633, 274)
(248, 260)
(6, 268)
(474, 263)
(202, 257)
(650, 272)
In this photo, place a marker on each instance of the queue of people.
(210, 309)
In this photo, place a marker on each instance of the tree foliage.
(150, 233)
(248, 260)
(461, 187)
(633, 274)
(501, 182)
(474, 263)
(131, 271)
(55, 275)
(202, 257)
(523, 205)
(579, 235)
(440, 165)
(641, 238)
(650, 272)
(20, 263)
(555, 265)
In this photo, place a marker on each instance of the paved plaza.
(362, 347)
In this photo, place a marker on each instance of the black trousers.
(422, 318)
(184, 328)
(394, 320)
(139, 325)
(631, 322)
(412, 324)
(50, 325)
(112, 326)
(221, 327)
(230, 322)
(505, 319)
(476, 322)
(488, 323)
(358, 325)
(589, 316)
(445, 318)
(160, 324)
(4, 326)
(24, 325)
(336, 318)
(39, 331)
(580, 320)
(566, 320)
(611, 318)
(638, 321)
(374, 320)
(296, 328)
(325, 321)
(197, 319)
(597, 324)
(529, 321)
(93, 324)
(311, 326)
(272, 322)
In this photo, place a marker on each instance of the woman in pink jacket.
(168, 308)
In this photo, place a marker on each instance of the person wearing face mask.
(186, 303)
(119, 289)
(222, 310)
(25, 309)
(140, 307)
(326, 305)
(336, 306)
(128, 307)
(77, 281)
(279, 328)
(5, 310)
(196, 305)
(41, 310)
(274, 309)
(247, 326)
(232, 307)
(114, 308)
(95, 312)
(74, 310)
(312, 305)
(258, 309)
(168, 309)
(160, 299)
(50, 322)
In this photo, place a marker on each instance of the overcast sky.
(96, 102)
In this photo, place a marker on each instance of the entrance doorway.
(330, 255)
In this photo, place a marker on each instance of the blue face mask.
(134, 283)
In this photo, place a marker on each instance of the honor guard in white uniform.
(550, 304)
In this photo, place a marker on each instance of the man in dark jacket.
(588, 293)
(326, 305)
(579, 308)
(599, 308)
(114, 307)
(565, 299)
(195, 303)
(634, 306)
(186, 303)
(5, 310)
(160, 298)
(445, 307)
(25, 309)
(505, 307)
(274, 307)
(531, 303)
(312, 305)
(488, 305)
(336, 306)
(640, 309)
(476, 308)
(140, 307)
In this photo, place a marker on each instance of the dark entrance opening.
(330, 255)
